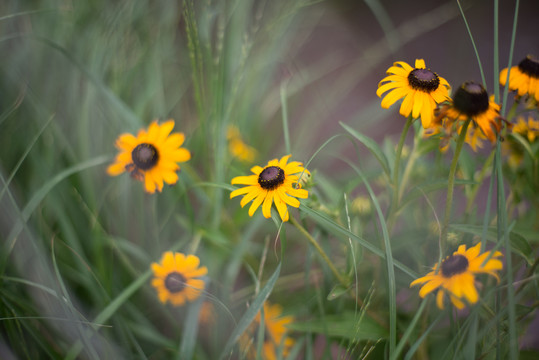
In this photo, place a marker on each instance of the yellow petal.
(253, 193)
(281, 206)
(266, 207)
(257, 201)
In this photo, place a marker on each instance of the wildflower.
(523, 78)
(471, 101)
(176, 278)
(151, 156)
(273, 183)
(421, 88)
(275, 337)
(528, 129)
(237, 147)
(456, 275)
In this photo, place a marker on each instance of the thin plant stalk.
(450, 187)
(321, 252)
(396, 166)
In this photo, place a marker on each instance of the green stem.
(396, 166)
(450, 187)
(481, 177)
(321, 251)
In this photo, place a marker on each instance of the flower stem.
(396, 166)
(450, 187)
(321, 251)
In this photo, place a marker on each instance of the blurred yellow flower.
(277, 182)
(176, 278)
(456, 276)
(238, 148)
(421, 88)
(512, 148)
(523, 78)
(529, 129)
(151, 156)
(275, 337)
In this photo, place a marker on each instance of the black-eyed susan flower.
(177, 278)
(277, 182)
(152, 156)
(523, 78)
(238, 148)
(456, 275)
(421, 88)
(470, 101)
(275, 334)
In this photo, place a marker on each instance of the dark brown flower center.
(471, 99)
(530, 66)
(453, 265)
(145, 156)
(271, 177)
(423, 80)
(175, 282)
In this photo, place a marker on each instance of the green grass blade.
(338, 229)
(409, 329)
(503, 236)
(284, 109)
(190, 330)
(371, 145)
(43, 191)
(509, 61)
(473, 44)
(392, 291)
(24, 155)
(415, 346)
(250, 314)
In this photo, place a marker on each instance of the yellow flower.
(456, 276)
(421, 88)
(275, 337)
(176, 278)
(523, 78)
(528, 129)
(273, 183)
(512, 148)
(151, 156)
(238, 148)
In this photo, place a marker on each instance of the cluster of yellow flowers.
(154, 154)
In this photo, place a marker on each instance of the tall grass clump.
(246, 179)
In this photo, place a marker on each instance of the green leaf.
(371, 145)
(348, 325)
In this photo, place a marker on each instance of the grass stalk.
(396, 172)
(321, 252)
(450, 187)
